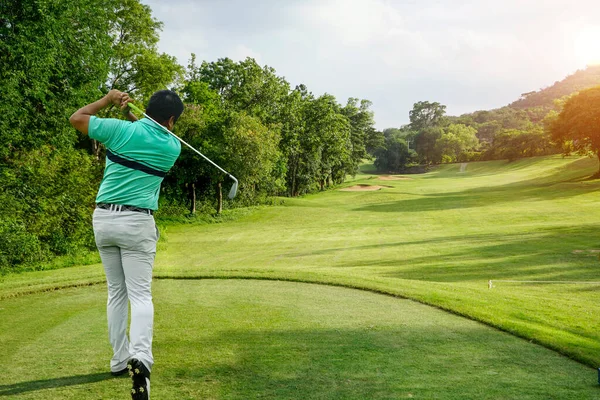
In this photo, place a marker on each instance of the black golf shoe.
(140, 379)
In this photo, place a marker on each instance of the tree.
(245, 86)
(52, 60)
(455, 142)
(487, 131)
(403, 132)
(361, 123)
(375, 139)
(426, 115)
(251, 154)
(395, 155)
(292, 130)
(191, 173)
(513, 144)
(425, 146)
(238, 142)
(202, 125)
(136, 66)
(335, 140)
(579, 122)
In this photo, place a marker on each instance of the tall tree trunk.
(219, 198)
(193, 199)
(294, 169)
(96, 149)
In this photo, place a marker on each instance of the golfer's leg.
(137, 266)
(116, 307)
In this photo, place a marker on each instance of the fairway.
(435, 238)
(244, 339)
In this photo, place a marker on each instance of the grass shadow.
(380, 362)
(557, 253)
(32, 386)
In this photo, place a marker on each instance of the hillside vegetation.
(521, 129)
(545, 98)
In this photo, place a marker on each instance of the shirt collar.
(149, 123)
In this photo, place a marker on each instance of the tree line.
(277, 140)
(433, 138)
(535, 125)
(57, 55)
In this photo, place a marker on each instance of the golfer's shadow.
(32, 386)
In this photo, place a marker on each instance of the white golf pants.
(126, 241)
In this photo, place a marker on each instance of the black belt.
(119, 207)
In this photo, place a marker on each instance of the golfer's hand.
(123, 104)
(125, 99)
(115, 97)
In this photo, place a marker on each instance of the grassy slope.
(437, 238)
(233, 339)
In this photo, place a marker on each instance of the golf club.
(233, 190)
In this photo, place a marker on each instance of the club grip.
(135, 108)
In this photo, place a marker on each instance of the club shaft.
(182, 141)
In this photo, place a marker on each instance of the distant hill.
(582, 79)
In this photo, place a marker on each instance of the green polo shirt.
(138, 155)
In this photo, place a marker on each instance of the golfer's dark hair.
(163, 105)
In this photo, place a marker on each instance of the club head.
(234, 188)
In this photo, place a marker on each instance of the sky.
(467, 55)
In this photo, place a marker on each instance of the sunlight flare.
(587, 45)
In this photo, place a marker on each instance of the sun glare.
(587, 45)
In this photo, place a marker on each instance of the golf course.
(350, 293)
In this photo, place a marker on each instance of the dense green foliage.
(504, 133)
(579, 122)
(276, 140)
(56, 56)
(394, 154)
(51, 61)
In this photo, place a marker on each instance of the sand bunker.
(393, 178)
(364, 188)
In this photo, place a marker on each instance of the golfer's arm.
(81, 118)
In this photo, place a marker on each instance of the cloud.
(241, 52)
(467, 55)
(352, 22)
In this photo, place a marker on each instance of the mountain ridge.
(579, 80)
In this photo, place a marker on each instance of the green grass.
(241, 339)
(436, 238)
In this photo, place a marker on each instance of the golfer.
(138, 155)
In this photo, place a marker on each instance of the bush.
(17, 246)
(46, 205)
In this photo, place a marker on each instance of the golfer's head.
(165, 107)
